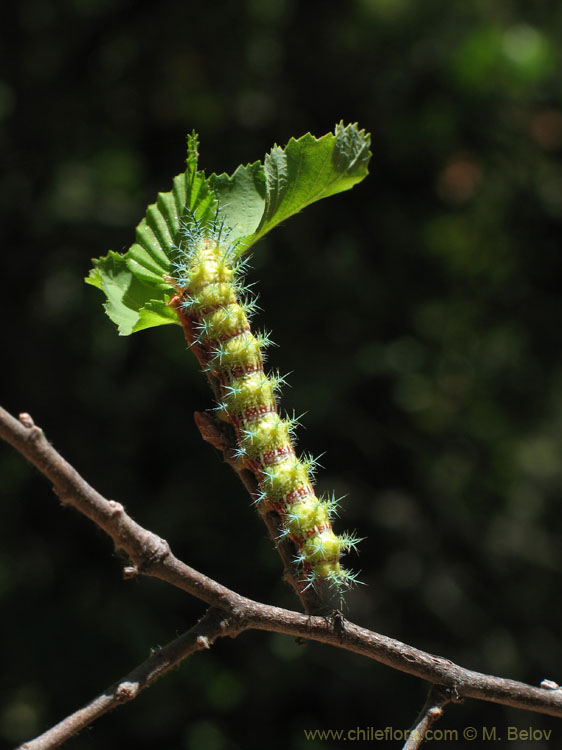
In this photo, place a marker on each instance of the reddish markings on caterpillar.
(216, 314)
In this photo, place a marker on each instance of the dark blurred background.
(419, 315)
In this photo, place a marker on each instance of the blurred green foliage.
(420, 315)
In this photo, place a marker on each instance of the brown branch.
(201, 636)
(151, 555)
(437, 698)
(148, 553)
(434, 669)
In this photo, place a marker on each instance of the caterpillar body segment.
(216, 316)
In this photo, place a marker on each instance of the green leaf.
(241, 198)
(253, 200)
(258, 197)
(130, 303)
(310, 169)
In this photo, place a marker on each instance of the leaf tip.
(352, 148)
(192, 153)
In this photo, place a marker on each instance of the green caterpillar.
(216, 315)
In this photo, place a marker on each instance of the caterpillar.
(216, 311)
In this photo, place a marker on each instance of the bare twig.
(148, 553)
(405, 658)
(151, 555)
(437, 698)
(212, 625)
